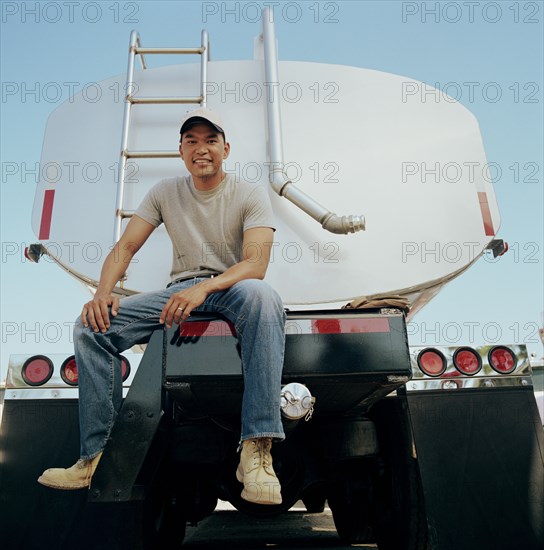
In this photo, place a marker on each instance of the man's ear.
(180, 151)
(226, 151)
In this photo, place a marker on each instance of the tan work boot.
(77, 477)
(255, 471)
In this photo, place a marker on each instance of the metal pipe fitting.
(279, 181)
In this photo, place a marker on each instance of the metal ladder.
(134, 50)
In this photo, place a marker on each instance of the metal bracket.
(133, 431)
(497, 247)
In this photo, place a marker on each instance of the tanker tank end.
(391, 203)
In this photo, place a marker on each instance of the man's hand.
(257, 245)
(179, 306)
(95, 312)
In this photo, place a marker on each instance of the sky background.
(497, 45)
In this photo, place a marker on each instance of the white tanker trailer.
(425, 448)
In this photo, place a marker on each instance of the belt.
(188, 278)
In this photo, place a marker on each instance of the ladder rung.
(164, 100)
(140, 51)
(150, 154)
(137, 50)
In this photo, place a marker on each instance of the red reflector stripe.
(486, 214)
(343, 326)
(47, 213)
(207, 328)
(337, 326)
(295, 326)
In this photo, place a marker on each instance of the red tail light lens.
(502, 359)
(432, 362)
(125, 368)
(37, 370)
(68, 371)
(467, 361)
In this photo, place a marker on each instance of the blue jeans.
(251, 305)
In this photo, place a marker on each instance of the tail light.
(502, 359)
(68, 371)
(467, 361)
(37, 370)
(432, 362)
(125, 368)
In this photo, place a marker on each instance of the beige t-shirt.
(206, 227)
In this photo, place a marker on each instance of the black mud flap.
(481, 460)
(35, 435)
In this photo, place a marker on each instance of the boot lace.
(261, 453)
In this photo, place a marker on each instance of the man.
(222, 233)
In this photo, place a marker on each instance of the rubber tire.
(314, 502)
(351, 503)
(164, 518)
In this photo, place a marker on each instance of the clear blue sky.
(496, 46)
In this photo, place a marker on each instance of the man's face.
(203, 150)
